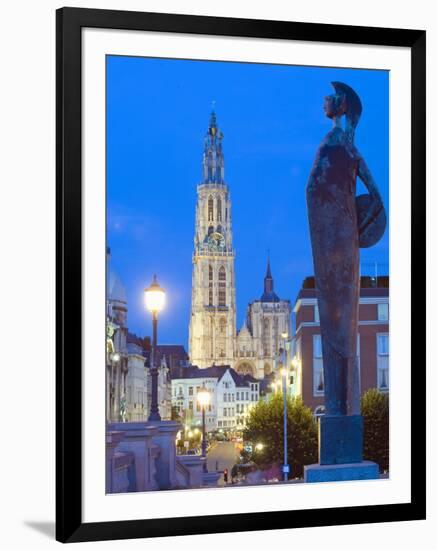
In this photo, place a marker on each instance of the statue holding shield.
(340, 223)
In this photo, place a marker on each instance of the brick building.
(372, 345)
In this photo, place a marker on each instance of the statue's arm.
(366, 177)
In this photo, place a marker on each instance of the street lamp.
(203, 398)
(155, 302)
(285, 467)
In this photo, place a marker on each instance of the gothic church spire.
(268, 294)
(213, 160)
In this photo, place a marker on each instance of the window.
(198, 407)
(219, 209)
(219, 423)
(247, 396)
(266, 337)
(382, 361)
(190, 405)
(210, 209)
(210, 285)
(238, 396)
(225, 397)
(382, 344)
(222, 326)
(190, 390)
(222, 287)
(317, 346)
(316, 314)
(318, 381)
(382, 312)
(225, 412)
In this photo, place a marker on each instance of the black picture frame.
(69, 24)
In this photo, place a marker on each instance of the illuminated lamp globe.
(154, 297)
(203, 397)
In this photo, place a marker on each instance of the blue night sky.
(272, 119)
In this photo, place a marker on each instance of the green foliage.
(375, 410)
(265, 425)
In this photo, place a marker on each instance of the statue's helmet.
(353, 103)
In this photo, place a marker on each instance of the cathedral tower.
(213, 309)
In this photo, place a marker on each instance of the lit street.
(226, 454)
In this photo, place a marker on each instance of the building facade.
(116, 345)
(128, 382)
(372, 344)
(138, 394)
(262, 335)
(231, 397)
(213, 338)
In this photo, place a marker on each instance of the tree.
(265, 426)
(375, 410)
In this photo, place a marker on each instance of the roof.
(370, 287)
(115, 288)
(269, 297)
(216, 371)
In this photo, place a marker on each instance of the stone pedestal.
(190, 471)
(340, 452)
(210, 479)
(340, 439)
(316, 473)
(113, 438)
(137, 438)
(165, 463)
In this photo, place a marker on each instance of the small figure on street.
(225, 475)
(234, 473)
(216, 465)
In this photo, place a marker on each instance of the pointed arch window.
(222, 286)
(210, 209)
(266, 338)
(219, 209)
(210, 285)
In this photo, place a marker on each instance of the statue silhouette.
(340, 223)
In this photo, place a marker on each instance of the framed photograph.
(240, 274)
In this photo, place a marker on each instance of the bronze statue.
(341, 223)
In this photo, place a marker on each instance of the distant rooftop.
(370, 286)
(216, 371)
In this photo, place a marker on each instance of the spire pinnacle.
(213, 161)
(268, 279)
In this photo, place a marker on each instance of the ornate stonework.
(212, 323)
(213, 336)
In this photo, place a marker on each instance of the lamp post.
(285, 467)
(203, 398)
(155, 301)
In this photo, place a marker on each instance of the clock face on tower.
(216, 241)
